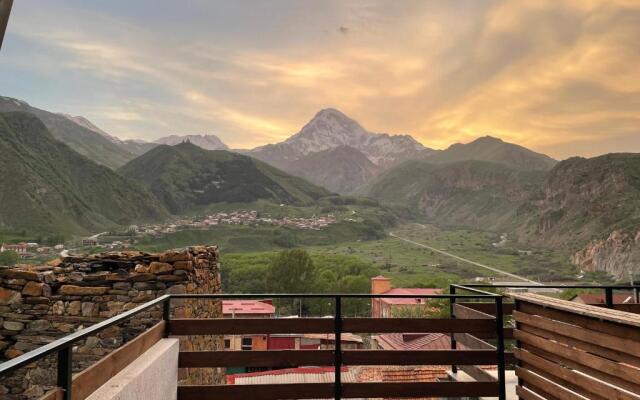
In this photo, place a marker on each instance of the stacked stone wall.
(39, 304)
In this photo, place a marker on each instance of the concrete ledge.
(153, 375)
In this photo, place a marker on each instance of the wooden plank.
(460, 311)
(622, 371)
(583, 384)
(268, 358)
(526, 394)
(349, 390)
(418, 325)
(588, 370)
(419, 357)
(578, 344)
(619, 330)
(256, 392)
(536, 382)
(598, 338)
(243, 326)
(477, 373)
(489, 308)
(616, 316)
(418, 389)
(632, 308)
(87, 381)
(53, 394)
(472, 342)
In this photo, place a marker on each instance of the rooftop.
(248, 307)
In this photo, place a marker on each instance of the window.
(247, 343)
(227, 343)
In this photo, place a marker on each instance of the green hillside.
(185, 177)
(46, 187)
(469, 193)
(494, 150)
(83, 140)
(582, 199)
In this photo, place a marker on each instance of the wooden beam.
(268, 358)
(477, 373)
(584, 346)
(5, 11)
(419, 357)
(622, 371)
(244, 326)
(488, 308)
(87, 381)
(54, 394)
(583, 384)
(419, 389)
(349, 390)
(526, 394)
(594, 324)
(257, 392)
(605, 340)
(537, 382)
(586, 369)
(463, 312)
(419, 325)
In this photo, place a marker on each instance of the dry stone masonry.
(39, 304)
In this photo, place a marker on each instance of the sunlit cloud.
(558, 76)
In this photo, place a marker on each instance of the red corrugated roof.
(414, 341)
(410, 291)
(230, 307)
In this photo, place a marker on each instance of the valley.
(486, 209)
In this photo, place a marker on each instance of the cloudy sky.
(561, 77)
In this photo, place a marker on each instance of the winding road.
(465, 260)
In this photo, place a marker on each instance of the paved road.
(465, 260)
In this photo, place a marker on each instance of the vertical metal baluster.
(500, 349)
(65, 371)
(608, 294)
(166, 316)
(338, 349)
(454, 344)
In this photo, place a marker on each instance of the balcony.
(562, 350)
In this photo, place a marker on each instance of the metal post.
(166, 316)
(500, 349)
(65, 371)
(338, 349)
(608, 294)
(454, 344)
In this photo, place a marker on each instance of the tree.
(8, 258)
(291, 271)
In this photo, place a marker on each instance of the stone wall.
(39, 304)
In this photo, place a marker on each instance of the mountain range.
(185, 177)
(47, 187)
(587, 207)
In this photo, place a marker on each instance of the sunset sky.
(560, 77)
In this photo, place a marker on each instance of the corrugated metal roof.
(247, 307)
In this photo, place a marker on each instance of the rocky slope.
(592, 202)
(340, 169)
(330, 129)
(476, 194)
(79, 137)
(46, 187)
(186, 177)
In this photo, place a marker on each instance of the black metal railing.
(63, 346)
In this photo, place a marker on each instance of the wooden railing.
(485, 327)
(573, 351)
